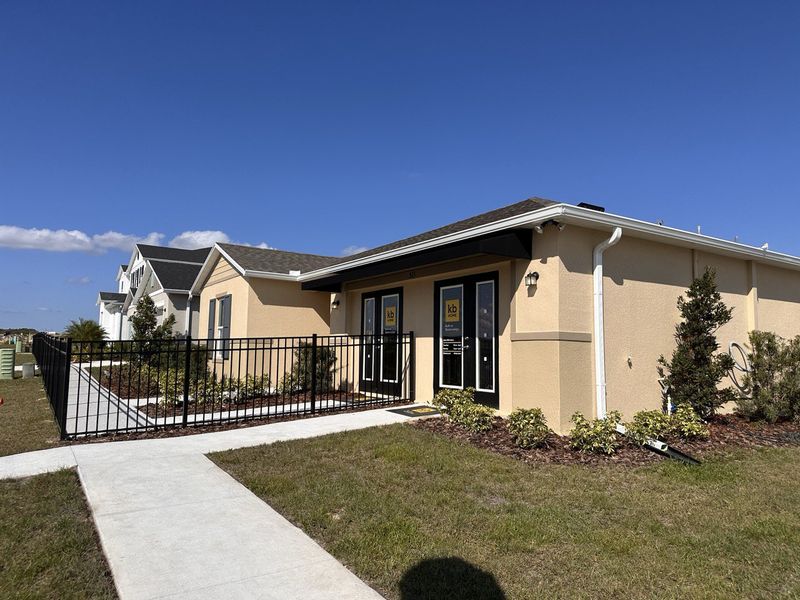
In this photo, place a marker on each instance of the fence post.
(62, 417)
(313, 373)
(412, 355)
(187, 366)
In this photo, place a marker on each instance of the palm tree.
(86, 334)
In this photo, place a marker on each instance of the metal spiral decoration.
(741, 366)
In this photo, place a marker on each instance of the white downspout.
(599, 329)
(188, 319)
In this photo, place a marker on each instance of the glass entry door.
(466, 349)
(381, 328)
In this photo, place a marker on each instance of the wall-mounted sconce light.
(532, 278)
(538, 228)
(335, 303)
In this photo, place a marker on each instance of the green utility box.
(7, 363)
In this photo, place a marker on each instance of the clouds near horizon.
(73, 240)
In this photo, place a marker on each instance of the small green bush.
(684, 423)
(528, 427)
(773, 380)
(648, 424)
(472, 416)
(598, 436)
(446, 399)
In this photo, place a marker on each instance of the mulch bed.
(155, 411)
(726, 433)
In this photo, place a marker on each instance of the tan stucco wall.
(643, 280)
(778, 300)
(222, 281)
(282, 308)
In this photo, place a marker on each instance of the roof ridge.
(223, 244)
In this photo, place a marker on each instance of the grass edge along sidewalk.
(48, 543)
(404, 496)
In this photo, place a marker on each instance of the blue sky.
(322, 126)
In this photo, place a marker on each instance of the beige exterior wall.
(643, 280)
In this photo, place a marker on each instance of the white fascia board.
(679, 237)
(586, 217)
(269, 275)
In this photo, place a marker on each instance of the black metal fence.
(132, 386)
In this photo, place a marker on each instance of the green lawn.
(26, 421)
(48, 544)
(420, 516)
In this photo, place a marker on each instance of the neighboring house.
(543, 304)
(166, 275)
(247, 292)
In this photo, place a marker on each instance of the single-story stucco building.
(536, 304)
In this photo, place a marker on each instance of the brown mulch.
(155, 411)
(726, 433)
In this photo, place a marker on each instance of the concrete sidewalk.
(174, 525)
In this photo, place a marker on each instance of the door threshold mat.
(416, 411)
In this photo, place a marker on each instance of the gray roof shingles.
(498, 214)
(175, 276)
(112, 297)
(179, 254)
(267, 260)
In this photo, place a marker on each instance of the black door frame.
(469, 309)
(377, 384)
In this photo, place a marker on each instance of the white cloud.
(73, 240)
(79, 280)
(350, 250)
(199, 239)
(204, 239)
(70, 240)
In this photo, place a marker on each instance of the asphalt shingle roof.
(112, 297)
(175, 276)
(268, 260)
(179, 254)
(498, 214)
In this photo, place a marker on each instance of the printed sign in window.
(451, 309)
(390, 318)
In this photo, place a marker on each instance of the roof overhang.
(514, 243)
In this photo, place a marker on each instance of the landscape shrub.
(299, 380)
(685, 423)
(654, 424)
(648, 424)
(773, 380)
(475, 417)
(446, 399)
(170, 386)
(528, 427)
(693, 373)
(597, 436)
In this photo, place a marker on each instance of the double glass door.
(466, 336)
(381, 328)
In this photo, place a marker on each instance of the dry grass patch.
(26, 420)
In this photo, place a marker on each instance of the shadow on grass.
(452, 577)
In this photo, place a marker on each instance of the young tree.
(144, 322)
(695, 370)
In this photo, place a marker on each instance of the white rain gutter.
(188, 328)
(599, 328)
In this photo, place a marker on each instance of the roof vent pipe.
(599, 329)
